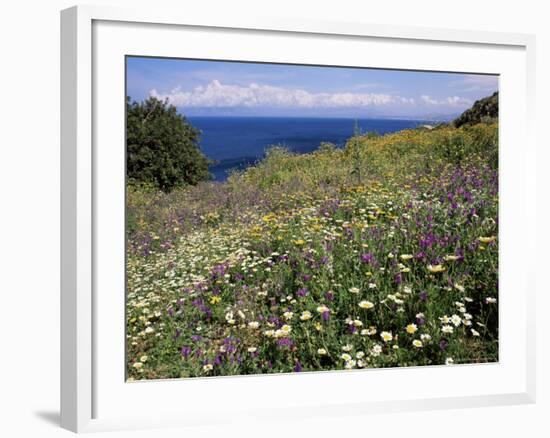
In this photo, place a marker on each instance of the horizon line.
(409, 118)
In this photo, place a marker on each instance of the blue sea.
(238, 142)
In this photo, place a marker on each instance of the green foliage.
(162, 147)
(354, 152)
(483, 111)
(370, 157)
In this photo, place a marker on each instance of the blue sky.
(220, 88)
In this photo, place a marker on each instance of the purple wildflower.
(398, 278)
(420, 255)
(367, 258)
(185, 351)
(285, 342)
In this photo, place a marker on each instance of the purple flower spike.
(298, 367)
(423, 295)
(443, 344)
(185, 351)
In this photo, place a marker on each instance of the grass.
(380, 254)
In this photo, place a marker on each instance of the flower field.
(380, 254)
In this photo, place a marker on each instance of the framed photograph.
(291, 218)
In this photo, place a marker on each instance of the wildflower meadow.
(382, 253)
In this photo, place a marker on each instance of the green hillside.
(483, 111)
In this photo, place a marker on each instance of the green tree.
(162, 146)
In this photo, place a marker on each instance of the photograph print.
(297, 218)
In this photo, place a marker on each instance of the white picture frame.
(91, 392)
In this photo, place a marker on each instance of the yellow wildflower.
(215, 299)
(486, 239)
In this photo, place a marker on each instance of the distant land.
(229, 112)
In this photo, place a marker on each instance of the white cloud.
(427, 99)
(219, 95)
(452, 101)
(457, 101)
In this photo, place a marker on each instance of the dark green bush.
(162, 146)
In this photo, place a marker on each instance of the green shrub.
(162, 147)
